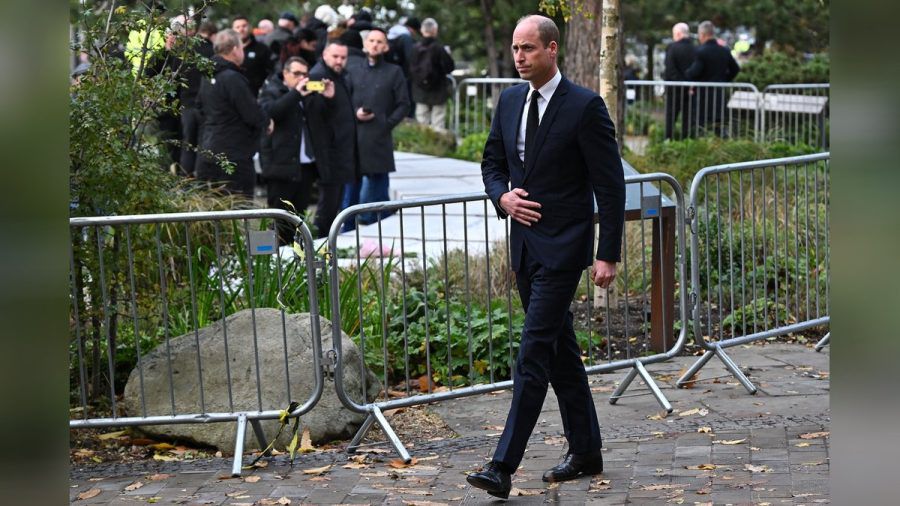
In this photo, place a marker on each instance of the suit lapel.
(512, 116)
(546, 122)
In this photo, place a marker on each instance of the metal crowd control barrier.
(759, 253)
(434, 313)
(145, 277)
(796, 113)
(826, 339)
(475, 100)
(684, 109)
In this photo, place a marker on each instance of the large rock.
(328, 420)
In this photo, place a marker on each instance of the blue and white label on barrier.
(650, 205)
(263, 242)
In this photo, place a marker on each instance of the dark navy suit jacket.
(576, 160)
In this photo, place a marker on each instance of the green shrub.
(415, 138)
(472, 147)
(774, 67)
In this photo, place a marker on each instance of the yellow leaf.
(163, 447)
(94, 492)
(757, 469)
(814, 435)
(159, 477)
(317, 470)
(306, 445)
(112, 435)
(730, 441)
(134, 486)
(292, 447)
(84, 453)
(658, 416)
(695, 411)
(164, 458)
(399, 464)
(525, 492)
(702, 467)
(705, 430)
(801, 445)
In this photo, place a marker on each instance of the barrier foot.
(392, 436)
(260, 436)
(639, 369)
(239, 445)
(735, 370)
(823, 342)
(694, 369)
(361, 433)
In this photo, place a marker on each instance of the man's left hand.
(604, 273)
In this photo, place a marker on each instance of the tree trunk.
(583, 37)
(487, 7)
(611, 60)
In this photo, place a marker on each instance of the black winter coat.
(432, 48)
(232, 120)
(714, 64)
(332, 127)
(257, 64)
(381, 88)
(679, 57)
(279, 152)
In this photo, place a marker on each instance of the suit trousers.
(297, 192)
(548, 354)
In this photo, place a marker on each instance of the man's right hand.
(522, 210)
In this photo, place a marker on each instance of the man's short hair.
(295, 59)
(547, 29)
(225, 41)
(208, 27)
(335, 42)
(413, 22)
(238, 18)
(429, 26)
(707, 28)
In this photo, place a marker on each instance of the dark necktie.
(531, 125)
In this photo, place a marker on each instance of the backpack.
(396, 55)
(425, 70)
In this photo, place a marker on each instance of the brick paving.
(719, 446)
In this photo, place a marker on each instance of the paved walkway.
(719, 446)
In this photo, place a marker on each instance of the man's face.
(534, 62)
(237, 55)
(294, 73)
(376, 43)
(308, 45)
(242, 27)
(335, 57)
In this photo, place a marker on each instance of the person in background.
(431, 62)
(680, 54)
(257, 63)
(380, 102)
(289, 160)
(713, 64)
(287, 24)
(232, 120)
(190, 113)
(332, 128)
(401, 39)
(356, 57)
(263, 29)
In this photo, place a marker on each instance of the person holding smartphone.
(379, 106)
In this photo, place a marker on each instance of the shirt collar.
(549, 88)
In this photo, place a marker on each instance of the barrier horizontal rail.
(436, 322)
(144, 278)
(474, 101)
(760, 263)
(686, 109)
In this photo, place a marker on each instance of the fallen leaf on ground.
(252, 479)
(84, 453)
(822, 463)
(525, 492)
(134, 486)
(163, 447)
(164, 458)
(814, 435)
(801, 445)
(492, 427)
(705, 430)
(597, 485)
(94, 492)
(112, 435)
(237, 493)
(695, 411)
(658, 416)
(702, 467)
(704, 491)
(159, 477)
(757, 469)
(658, 434)
(730, 441)
(423, 503)
(260, 464)
(400, 464)
(266, 501)
(663, 487)
(317, 470)
(306, 445)
(377, 474)
(355, 465)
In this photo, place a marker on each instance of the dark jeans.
(297, 192)
(548, 354)
(370, 188)
(190, 137)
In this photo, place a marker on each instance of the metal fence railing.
(152, 294)
(474, 103)
(428, 296)
(796, 113)
(759, 253)
(684, 109)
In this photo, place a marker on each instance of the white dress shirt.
(546, 91)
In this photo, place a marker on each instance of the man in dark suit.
(679, 56)
(550, 154)
(714, 64)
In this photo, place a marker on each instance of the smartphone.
(315, 86)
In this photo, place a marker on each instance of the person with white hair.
(680, 55)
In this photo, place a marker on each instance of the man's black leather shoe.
(492, 479)
(574, 466)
